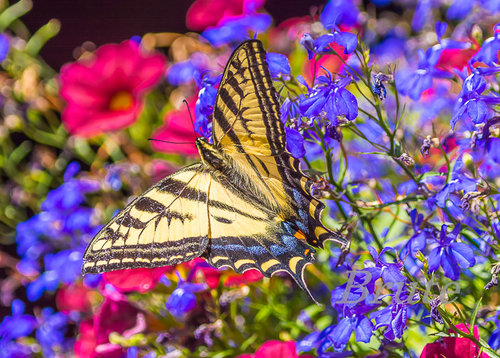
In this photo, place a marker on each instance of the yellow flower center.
(121, 101)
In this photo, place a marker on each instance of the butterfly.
(246, 205)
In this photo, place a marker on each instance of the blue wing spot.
(287, 227)
(290, 241)
(302, 227)
(257, 250)
(278, 250)
(303, 215)
(229, 247)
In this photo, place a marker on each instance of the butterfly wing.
(166, 225)
(247, 127)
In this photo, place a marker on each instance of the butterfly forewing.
(165, 225)
(246, 112)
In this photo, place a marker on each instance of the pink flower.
(139, 279)
(178, 128)
(205, 13)
(275, 349)
(73, 298)
(243, 279)
(85, 343)
(106, 92)
(457, 347)
(114, 315)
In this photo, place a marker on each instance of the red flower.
(105, 93)
(178, 128)
(275, 349)
(73, 298)
(457, 347)
(205, 13)
(139, 279)
(85, 343)
(247, 277)
(114, 315)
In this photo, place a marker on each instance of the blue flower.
(4, 46)
(390, 272)
(413, 83)
(338, 12)
(295, 143)
(205, 104)
(416, 243)
(421, 14)
(183, 299)
(278, 64)
(50, 333)
(471, 103)
(458, 182)
(290, 109)
(351, 322)
(321, 45)
(459, 9)
(450, 254)
(183, 72)
(488, 53)
(17, 325)
(393, 317)
(234, 30)
(331, 98)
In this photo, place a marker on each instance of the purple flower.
(4, 46)
(417, 242)
(488, 53)
(458, 182)
(471, 103)
(234, 30)
(351, 322)
(338, 12)
(278, 64)
(183, 72)
(394, 318)
(421, 14)
(183, 299)
(205, 104)
(331, 98)
(459, 9)
(413, 83)
(390, 272)
(295, 143)
(450, 254)
(17, 325)
(321, 45)
(50, 333)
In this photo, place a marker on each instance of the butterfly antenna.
(190, 117)
(166, 141)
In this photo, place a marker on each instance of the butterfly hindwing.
(165, 225)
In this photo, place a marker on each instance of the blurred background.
(105, 21)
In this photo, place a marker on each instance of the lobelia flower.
(321, 45)
(451, 255)
(278, 64)
(457, 347)
(178, 129)
(205, 104)
(232, 30)
(183, 299)
(15, 326)
(338, 12)
(416, 243)
(393, 317)
(471, 103)
(458, 182)
(183, 72)
(488, 53)
(4, 46)
(331, 98)
(413, 83)
(353, 321)
(51, 330)
(106, 93)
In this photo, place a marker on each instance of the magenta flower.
(106, 92)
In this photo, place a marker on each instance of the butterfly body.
(246, 205)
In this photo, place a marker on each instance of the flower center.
(121, 101)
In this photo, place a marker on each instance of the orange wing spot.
(306, 252)
(300, 235)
